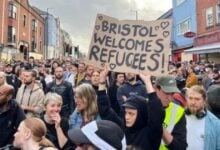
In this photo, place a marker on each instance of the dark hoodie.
(128, 90)
(146, 133)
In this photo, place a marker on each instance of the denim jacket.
(212, 132)
(76, 120)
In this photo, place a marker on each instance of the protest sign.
(130, 45)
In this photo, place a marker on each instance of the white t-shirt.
(195, 132)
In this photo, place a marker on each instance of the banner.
(130, 45)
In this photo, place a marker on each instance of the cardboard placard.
(130, 45)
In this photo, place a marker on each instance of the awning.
(211, 48)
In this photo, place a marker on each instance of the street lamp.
(136, 13)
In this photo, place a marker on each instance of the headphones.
(199, 115)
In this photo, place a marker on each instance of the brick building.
(207, 42)
(21, 30)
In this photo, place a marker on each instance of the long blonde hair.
(87, 93)
(38, 130)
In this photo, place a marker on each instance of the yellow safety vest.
(173, 113)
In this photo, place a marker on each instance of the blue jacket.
(212, 132)
(76, 120)
(105, 112)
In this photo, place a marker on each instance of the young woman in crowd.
(57, 127)
(31, 135)
(86, 106)
(91, 104)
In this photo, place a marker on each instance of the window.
(40, 31)
(11, 34)
(209, 16)
(34, 25)
(183, 27)
(178, 2)
(33, 44)
(40, 46)
(217, 13)
(24, 21)
(12, 11)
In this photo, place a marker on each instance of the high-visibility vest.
(173, 113)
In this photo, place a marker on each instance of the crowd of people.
(65, 105)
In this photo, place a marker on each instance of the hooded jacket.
(35, 99)
(146, 133)
(128, 90)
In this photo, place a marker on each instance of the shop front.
(207, 47)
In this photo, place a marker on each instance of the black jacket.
(146, 133)
(179, 135)
(112, 93)
(14, 81)
(105, 110)
(9, 122)
(65, 90)
(52, 134)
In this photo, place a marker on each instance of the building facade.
(21, 29)
(52, 34)
(68, 49)
(207, 41)
(184, 20)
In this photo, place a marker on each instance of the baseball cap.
(129, 104)
(167, 84)
(103, 134)
(134, 102)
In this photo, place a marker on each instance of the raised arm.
(156, 113)
(105, 110)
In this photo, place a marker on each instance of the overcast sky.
(78, 16)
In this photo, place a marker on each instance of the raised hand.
(104, 73)
(57, 119)
(145, 77)
(147, 80)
